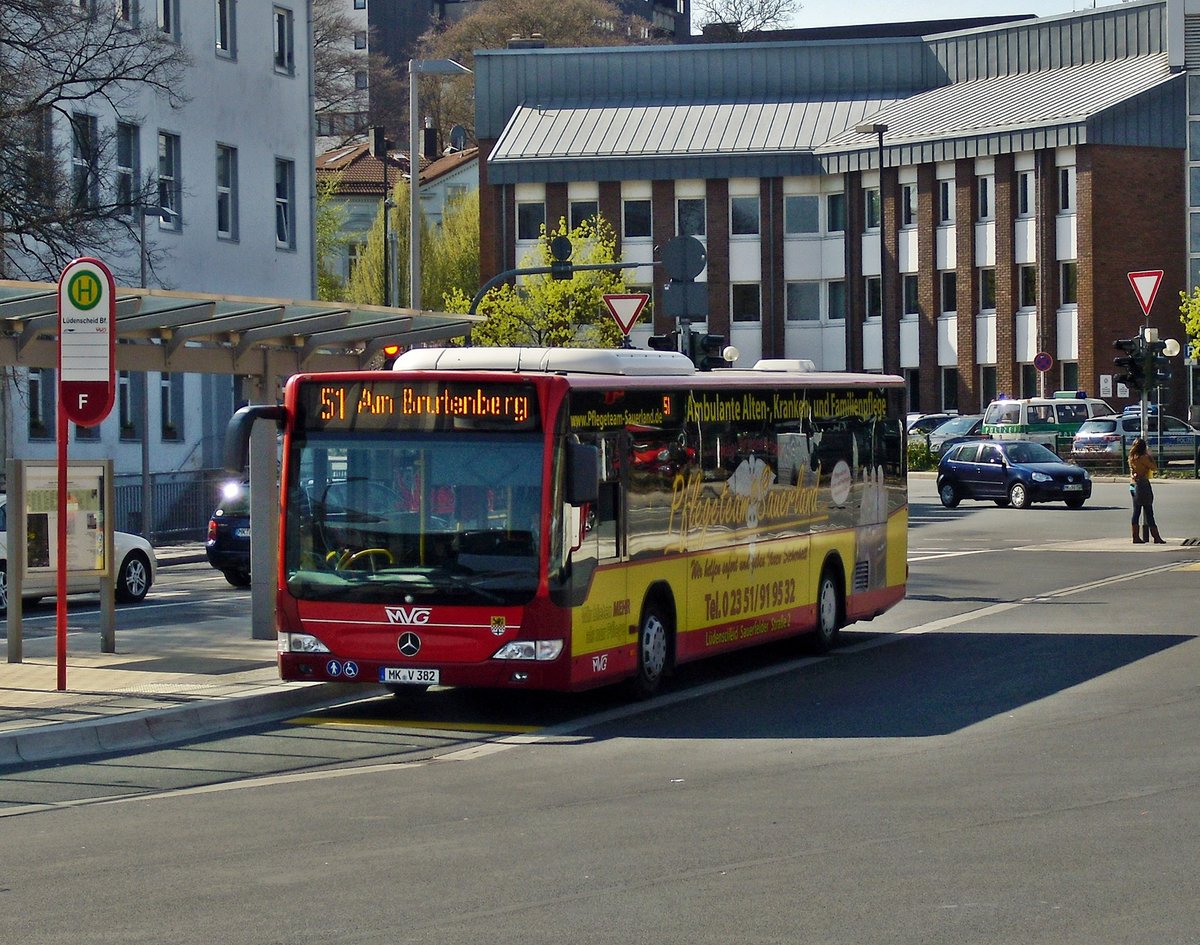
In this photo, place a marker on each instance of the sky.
(841, 13)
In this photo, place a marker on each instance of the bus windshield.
(451, 517)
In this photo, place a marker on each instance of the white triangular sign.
(626, 308)
(1145, 287)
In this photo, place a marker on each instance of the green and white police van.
(1051, 421)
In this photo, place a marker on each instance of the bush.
(919, 459)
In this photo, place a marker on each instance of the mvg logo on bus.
(409, 616)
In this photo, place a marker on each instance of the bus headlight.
(538, 650)
(300, 643)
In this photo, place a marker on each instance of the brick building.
(1027, 167)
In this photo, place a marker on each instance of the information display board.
(85, 513)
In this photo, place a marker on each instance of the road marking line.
(318, 722)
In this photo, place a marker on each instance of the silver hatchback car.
(1108, 439)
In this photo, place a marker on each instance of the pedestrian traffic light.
(390, 353)
(560, 258)
(1133, 362)
(707, 351)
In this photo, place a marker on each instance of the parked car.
(136, 567)
(1109, 438)
(926, 422)
(1010, 472)
(227, 544)
(957, 430)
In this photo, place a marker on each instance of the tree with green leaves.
(366, 282)
(541, 311)
(331, 218)
(1189, 314)
(450, 252)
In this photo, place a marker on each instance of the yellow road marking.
(401, 723)
(1194, 566)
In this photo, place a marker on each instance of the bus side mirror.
(237, 434)
(582, 474)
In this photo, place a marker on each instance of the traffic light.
(390, 353)
(560, 258)
(668, 342)
(707, 351)
(1155, 365)
(1133, 362)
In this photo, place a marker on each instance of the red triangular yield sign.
(1145, 287)
(626, 308)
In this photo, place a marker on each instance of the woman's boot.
(1137, 539)
(1158, 539)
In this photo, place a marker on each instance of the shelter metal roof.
(159, 330)
(1011, 103)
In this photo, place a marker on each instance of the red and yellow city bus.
(567, 518)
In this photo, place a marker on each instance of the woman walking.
(1141, 468)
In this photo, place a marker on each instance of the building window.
(945, 190)
(583, 210)
(950, 388)
(285, 204)
(908, 205)
(1066, 190)
(127, 411)
(801, 215)
(168, 19)
(360, 80)
(837, 300)
(1025, 194)
(987, 384)
(360, 4)
(987, 290)
(912, 297)
(360, 39)
(872, 209)
(354, 253)
(835, 213)
(1027, 282)
(743, 216)
(124, 12)
(874, 294)
(637, 219)
(169, 190)
(1030, 382)
(949, 286)
(85, 161)
(986, 209)
(744, 297)
(227, 195)
(128, 185)
(285, 53)
(912, 381)
(690, 216)
(1070, 375)
(170, 399)
(42, 395)
(531, 218)
(1068, 283)
(225, 29)
(803, 301)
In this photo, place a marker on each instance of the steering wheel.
(349, 560)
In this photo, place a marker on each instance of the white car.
(136, 566)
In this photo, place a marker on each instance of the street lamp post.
(417, 67)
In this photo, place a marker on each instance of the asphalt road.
(1009, 756)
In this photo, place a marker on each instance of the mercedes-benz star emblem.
(409, 643)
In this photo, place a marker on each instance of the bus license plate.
(1073, 487)
(407, 675)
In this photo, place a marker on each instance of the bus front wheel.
(654, 645)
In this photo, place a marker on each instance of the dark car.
(958, 430)
(1010, 472)
(926, 423)
(228, 543)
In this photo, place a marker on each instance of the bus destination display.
(423, 405)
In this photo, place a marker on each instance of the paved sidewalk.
(163, 685)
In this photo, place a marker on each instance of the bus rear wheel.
(829, 613)
(654, 647)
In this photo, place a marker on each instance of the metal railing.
(181, 503)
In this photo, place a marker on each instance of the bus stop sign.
(87, 308)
